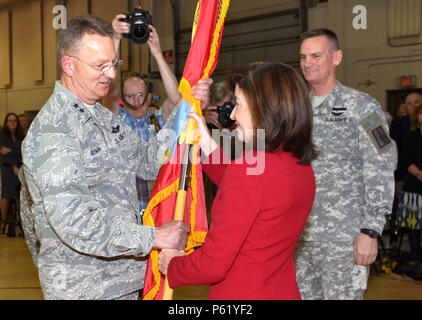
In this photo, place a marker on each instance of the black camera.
(139, 25)
(224, 112)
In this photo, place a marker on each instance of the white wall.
(367, 54)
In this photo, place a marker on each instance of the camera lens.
(139, 20)
(139, 31)
(224, 115)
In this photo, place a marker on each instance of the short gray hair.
(69, 39)
(329, 34)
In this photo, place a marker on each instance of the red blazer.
(256, 221)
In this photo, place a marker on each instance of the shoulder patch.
(373, 126)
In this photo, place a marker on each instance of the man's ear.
(338, 57)
(67, 66)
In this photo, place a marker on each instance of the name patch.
(94, 152)
(337, 119)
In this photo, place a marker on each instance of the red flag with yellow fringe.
(202, 59)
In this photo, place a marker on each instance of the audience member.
(401, 111)
(11, 138)
(257, 217)
(409, 213)
(219, 95)
(394, 152)
(24, 123)
(354, 178)
(399, 132)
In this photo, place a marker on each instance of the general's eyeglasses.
(103, 69)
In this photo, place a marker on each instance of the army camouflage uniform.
(354, 176)
(80, 168)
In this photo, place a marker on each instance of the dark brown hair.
(330, 35)
(19, 135)
(280, 104)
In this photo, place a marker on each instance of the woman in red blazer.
(264, 197)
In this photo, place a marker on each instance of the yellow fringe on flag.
(157, 276)
(149, 221)
(216, 37)
(195, 238)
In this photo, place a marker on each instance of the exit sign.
(408, 81)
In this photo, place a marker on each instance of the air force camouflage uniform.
(25, 203)
(80, 168)
(354, 190)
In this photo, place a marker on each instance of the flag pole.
(179, 211)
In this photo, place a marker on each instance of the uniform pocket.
(360, 276)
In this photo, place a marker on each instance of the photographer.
(169, 79)
(220, 95)
(137, 98)
(217, 118)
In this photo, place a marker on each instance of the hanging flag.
(202, 59)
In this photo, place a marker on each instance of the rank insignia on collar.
(76, 106)
(115, 129)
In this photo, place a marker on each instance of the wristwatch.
(370, 232)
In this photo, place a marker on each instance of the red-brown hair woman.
(264, 197)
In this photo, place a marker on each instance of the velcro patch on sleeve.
(373, 126)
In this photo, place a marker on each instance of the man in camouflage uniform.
(80, 163)
(354, 179)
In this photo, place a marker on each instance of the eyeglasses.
(103, 69)
(133, 95)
